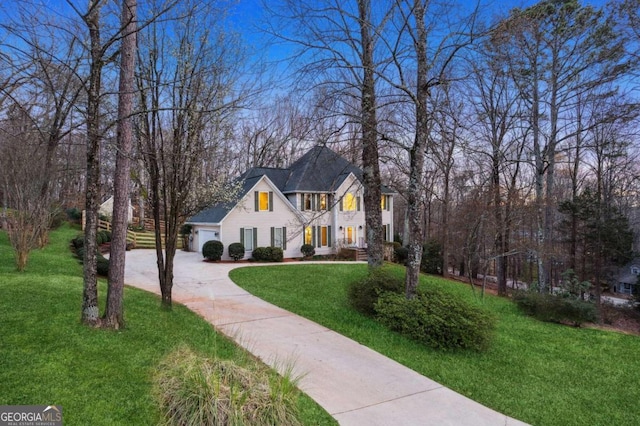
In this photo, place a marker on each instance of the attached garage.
(205, 235)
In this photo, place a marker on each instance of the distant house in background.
(316, 201)
(106, 209)
(627, 280)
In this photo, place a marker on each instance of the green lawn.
(99, 377)
(541, 373)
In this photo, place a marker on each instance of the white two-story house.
(317, 201)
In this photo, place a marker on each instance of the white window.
(279, 237)
(248, 238)
(635, 270)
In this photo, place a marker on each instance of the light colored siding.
(245, 216)
(353, 220)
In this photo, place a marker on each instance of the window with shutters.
(322, 204)
(349, 202)
(264, 201)
(308, 235)
(248, 238)
(279, 237)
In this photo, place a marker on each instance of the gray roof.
(319, 170)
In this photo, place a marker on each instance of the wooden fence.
(139, 239)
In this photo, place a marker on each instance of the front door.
(350, 235)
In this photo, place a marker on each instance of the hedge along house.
(317, 201)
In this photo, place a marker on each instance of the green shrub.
(78, 242)
(194, 390)
(268, 254)
(276, 254)
(186, 229)
(102, 263)
(102, 266)
(432, 257)
(437, 319)
(307, 250)
(212, 250)
(80, 253)
(402, 254)
(363, 294)
(551, 308)
(103, 237)
(74, 214)
(260, 254)
(236, 251)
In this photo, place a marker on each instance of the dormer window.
(635, 270)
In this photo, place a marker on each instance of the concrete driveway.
(355, 384)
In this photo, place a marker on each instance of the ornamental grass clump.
(195, 390)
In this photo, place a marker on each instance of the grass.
(540, 373)
(100, 377)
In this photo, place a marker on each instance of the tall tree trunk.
(171, 240)
(90, 310)
(114, 316)
(414, 195)
(370, 160)
(499, 243)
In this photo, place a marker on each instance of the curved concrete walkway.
(355, 384)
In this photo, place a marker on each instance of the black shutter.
(284, 238)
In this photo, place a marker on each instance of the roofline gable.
(276, 191)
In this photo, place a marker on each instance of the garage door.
(206, 235)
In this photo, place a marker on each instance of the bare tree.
(188, 86)
(495, 102)
(555, 50)
(114, 316)
(21, 162)
(276, 135)
(419, 21)
(339, 42)
(43, 89)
